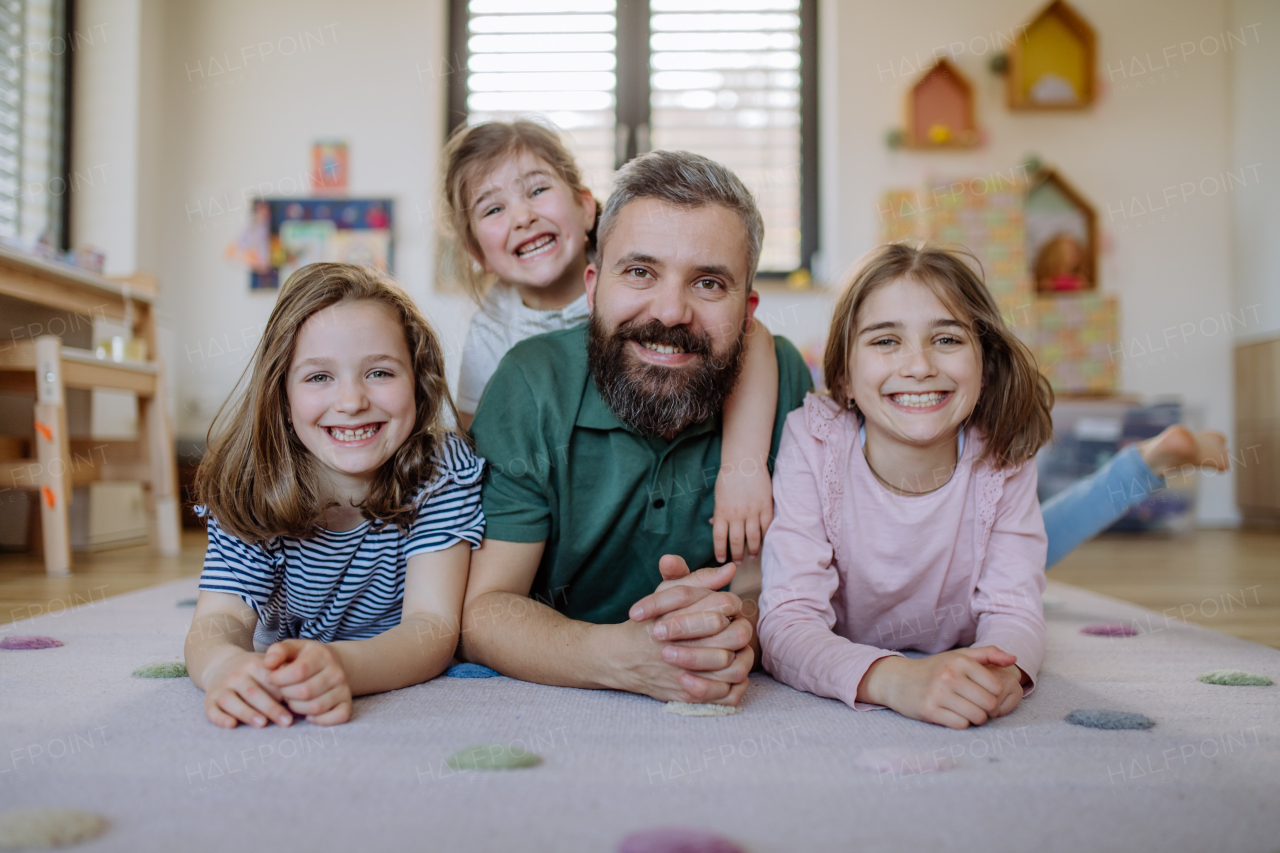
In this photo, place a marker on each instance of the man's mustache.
(655, 332)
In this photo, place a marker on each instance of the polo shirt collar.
(594, 413)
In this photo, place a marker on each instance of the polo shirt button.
(659, 503)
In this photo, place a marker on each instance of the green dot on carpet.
(166, 669)
(698, 709)
(186, 602)
(1099, 718)
(492, 756)
(1235, 678)
(43, 828)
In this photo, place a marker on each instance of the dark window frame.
(633, 99)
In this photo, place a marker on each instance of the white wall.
(375, 81)
(106, 113)
(228, 96)
(1165, 128)
(1255, 108)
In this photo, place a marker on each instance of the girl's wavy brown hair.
(468, 155)
(257, 478)
(1013, 409)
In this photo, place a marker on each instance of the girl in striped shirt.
(342, 510)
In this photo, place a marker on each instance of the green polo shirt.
(608, 501)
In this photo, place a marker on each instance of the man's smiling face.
(669, 306)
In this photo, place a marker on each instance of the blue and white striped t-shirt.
(348, 585)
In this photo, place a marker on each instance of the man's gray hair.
(688, 180)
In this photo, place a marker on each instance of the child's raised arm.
(744, 498)
(318, 680)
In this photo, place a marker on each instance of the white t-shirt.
(502, 322)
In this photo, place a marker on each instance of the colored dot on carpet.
(1052, 603)
(696, 709)
(492, 756)
(27, 643)
(1094, 718)
(469, 670)
(42, 828)
(167, 669)
(674, 839)
(1235, 678)
(186, 602)
(1109, 630)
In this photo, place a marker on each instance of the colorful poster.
(306, 230)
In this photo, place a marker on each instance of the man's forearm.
(528, 640)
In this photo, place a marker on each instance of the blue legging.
(1096, 502)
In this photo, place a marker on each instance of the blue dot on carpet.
(1096, 718)
(469, 670)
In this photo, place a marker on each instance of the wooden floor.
(1223, 579)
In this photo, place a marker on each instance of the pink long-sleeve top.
(854, 572)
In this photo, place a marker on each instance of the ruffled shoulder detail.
(988, 489)
(456, 463)
(835, 427)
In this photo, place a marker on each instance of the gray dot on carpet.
(186, 602)
(1100, 718)
(1235, 678)
(43, 828)
(492, 756)
(165, 669)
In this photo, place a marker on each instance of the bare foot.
(1178, 448)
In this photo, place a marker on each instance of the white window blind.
(32, 64)
(548, 59)
(723, 78)
(726, 84)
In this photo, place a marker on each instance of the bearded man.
(603, 443)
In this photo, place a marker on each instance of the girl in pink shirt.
(906, 513)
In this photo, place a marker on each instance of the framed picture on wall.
(301, 231)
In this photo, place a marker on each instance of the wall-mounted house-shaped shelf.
(1061, 234)
(940, 110)
(1052, 66)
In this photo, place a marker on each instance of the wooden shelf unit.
(44, 368)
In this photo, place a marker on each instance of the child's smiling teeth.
(662, 348)
(359, 434)
(537, 247)
(919, 401)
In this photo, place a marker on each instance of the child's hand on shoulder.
(743, 511)
(242, 693)
(956, 689)
(310, 677)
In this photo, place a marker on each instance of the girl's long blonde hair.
(257, 478)
(471, 153)
(1013, 409)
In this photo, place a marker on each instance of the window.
(34, 57)
(734, 80)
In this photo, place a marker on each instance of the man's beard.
(655, 400)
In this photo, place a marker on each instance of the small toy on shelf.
(940, 111)
(1060, 266)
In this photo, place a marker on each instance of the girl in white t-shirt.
(519, 232)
